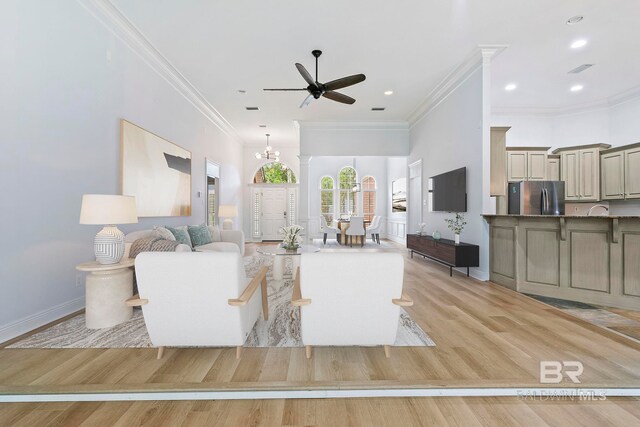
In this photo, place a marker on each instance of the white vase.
(457, 239)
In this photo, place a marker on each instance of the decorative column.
(303, 197)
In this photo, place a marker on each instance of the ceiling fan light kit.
(327, 90)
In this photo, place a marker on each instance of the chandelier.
(268, 153)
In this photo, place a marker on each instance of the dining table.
(343, 225)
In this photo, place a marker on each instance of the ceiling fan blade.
(305, 75)
(336, 96)
(306, 101)
(344, 82)
(286, 89)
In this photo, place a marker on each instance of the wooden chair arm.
(136, 301)
(404, 301)
(250, 289)
(296, 297)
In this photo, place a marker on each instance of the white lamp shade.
(228, 211)
(101, 209)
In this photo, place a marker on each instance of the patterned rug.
(281, 330)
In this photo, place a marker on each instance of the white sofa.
(228, 241)
(350, 298)
(198, 299)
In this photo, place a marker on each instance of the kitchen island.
(591, 259)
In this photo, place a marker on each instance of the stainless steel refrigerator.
(536, 197)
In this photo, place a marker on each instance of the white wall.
(450, 137)
(67, 81)
(396, 222)
(354, 139)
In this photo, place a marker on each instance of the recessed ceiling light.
(252, 108)
(242, 91)
(574, 19)
(578, 44)
(377, 109)
(388, 92)
(510, 87)
(262, 126)
(576, 88)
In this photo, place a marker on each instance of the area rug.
(281, 330)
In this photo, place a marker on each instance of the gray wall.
(66, 83)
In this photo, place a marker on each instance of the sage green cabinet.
(580, 170)
(632, 173)
(527, 163)
(612, 175)
(620, 172)
(553, 167)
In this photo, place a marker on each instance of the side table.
(107, 288)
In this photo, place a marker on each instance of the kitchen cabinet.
(499, 161)
(527, 163)
(553, 167)
(620, 172)
(580, 170)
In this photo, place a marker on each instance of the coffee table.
(279, 253)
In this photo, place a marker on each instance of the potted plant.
(456, 224)
(291, 238)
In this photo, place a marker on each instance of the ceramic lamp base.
(109, 245)
(227, 224)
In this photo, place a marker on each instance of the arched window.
(326, 198)
(347, 179)
(274, 173)
(368, 197)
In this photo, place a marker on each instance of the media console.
(445, 251)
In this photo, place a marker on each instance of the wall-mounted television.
(449, 191)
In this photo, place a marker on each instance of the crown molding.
(605, 104)
(346, 125)
(116, 22)
(454, 79)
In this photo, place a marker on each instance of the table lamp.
(227, 212)
(108, 210)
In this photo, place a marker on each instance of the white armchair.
(198, 299)
(326, 229)
(374, 229)
(356, 228)
(358, 306)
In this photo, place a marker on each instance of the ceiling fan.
(317, 89)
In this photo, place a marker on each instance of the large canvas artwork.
(155, 171)
(399, 195)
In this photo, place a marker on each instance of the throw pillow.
(163, 233)
(199, 235)
(181, 234)
(214, 231)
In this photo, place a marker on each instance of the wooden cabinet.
(612, 175)
(445, 251)
(553, 167)
(498, 161)
(632, 173)
(527, 163)
(620, 172)
(580, 170)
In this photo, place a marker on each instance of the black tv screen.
(449, 191)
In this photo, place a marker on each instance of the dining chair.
(327, 229)
(356, 228)
(374, 229)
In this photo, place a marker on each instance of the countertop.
(562, 216)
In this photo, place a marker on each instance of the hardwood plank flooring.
(485, 335)
(476, 411)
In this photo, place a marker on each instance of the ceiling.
(405, 46)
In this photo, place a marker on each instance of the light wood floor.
(437, 411)
(486, 336)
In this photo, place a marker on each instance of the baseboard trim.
(531, 393)
(29, 323)
(396, 239)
